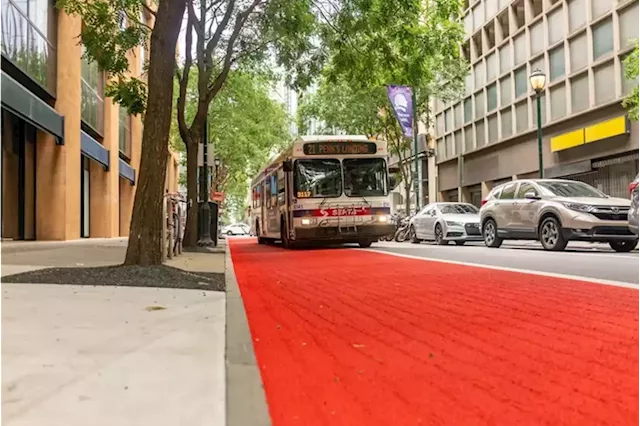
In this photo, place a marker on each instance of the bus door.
(287, 168)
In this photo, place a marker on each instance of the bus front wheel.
(364, 244)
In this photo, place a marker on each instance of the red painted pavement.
(348, 337)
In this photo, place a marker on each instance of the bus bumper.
(344, 234)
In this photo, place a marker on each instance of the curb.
(246, 403)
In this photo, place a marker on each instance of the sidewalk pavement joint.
(246, 400)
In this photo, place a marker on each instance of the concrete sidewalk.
(85, 355)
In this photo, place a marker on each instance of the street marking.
(506, 268)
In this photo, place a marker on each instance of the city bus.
(332, 189)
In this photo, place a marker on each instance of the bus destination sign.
(339, 148)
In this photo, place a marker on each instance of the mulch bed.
(126, 276)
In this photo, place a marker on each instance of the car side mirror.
(287, 166)
(392, 183)
(530, 195)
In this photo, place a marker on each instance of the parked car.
(444, 222)
(555, 211)
(633, 211)
(236, 229)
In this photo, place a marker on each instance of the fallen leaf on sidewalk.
(155, 308)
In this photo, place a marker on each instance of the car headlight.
(451, 223)
(583, 208)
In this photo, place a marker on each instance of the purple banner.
(400, 98)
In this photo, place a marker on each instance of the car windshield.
(571, 189)
(317, 178)
(458, 209)
(365, 177)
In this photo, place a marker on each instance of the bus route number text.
(339, 148)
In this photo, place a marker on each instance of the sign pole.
(416, 174)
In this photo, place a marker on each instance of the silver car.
(633, 210)
(444, 222)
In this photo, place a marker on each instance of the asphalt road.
(586, 261)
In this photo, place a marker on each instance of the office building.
(489, 136)
(70, 156)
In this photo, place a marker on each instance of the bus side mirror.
(287, 166)
(392, 183)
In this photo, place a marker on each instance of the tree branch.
(150, 11)
(213, 43)
(184, 83)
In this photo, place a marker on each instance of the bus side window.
(267, 192)
(281, 192)
(274, 190)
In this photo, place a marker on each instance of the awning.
(24, 104)
(127, 172)
(94, 150)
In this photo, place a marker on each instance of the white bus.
(324, 188)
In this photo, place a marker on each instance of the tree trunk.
(145, 235)
(191, 231)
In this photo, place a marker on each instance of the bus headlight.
(306, 221)
(383, 218)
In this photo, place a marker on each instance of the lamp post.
(216, 163)
(538, 79)
(205, 229)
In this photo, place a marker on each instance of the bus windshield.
(317, 178)
(364, 177)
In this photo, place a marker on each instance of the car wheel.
(490, 234)
(460, 243)
(623, 246)
(364, 244)
(550, 235)
(412, 234)
(229, 233)
(439, 236)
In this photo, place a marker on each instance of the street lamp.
(538, 79)
(205, 225)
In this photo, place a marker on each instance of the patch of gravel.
(126, 276)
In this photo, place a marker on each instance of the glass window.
(479, 98)
(570, 189)
(457, 137)
(555, 24)
(448, 125)
(468, 83)
(478, 17)
(492, 8)
(492, 97)
(538, 64)
(522, 118)
(92, 95)
(478, 72)
(468, 138)
(468, 110)
(492, 128)
(558, 102)
(468, 24)
(524, 188)
(449, 146)
(505, 91)
(604, 77)
(457, 116)
(124, 133)
(440, 152)
(506, 123)
(577, 52)
(520, 77)
(317, 178)
(508, 191)
(536, 35)
(505, 58)
(577, 14)
(458, 209)
(556, 63)
(519, 49)
(600, 7)
(480, 139)
(629, 25)
(28, 39)
(580, 93)
(492, 67)
(602, 39)
(364, 177)
(440, 124)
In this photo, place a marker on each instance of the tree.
(376, 43)
(229, 33)
(631, 74)
(245, 125)
(108, 42)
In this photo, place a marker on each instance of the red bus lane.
(350, 337)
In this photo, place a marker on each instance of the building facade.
(69, 154)
(489, 136)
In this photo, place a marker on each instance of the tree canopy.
(631, 74)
